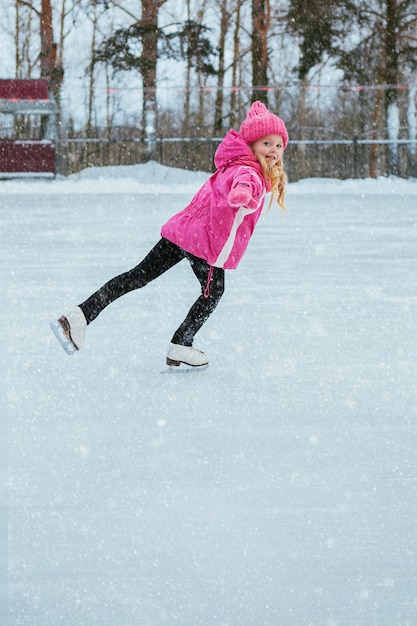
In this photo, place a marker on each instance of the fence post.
(355, 157)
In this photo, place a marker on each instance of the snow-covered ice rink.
(277, 488)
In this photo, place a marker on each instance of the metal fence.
(338, 158)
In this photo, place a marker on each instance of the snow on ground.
(278, 487)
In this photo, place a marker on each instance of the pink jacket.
(210, 227)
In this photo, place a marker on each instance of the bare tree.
(117, 50)
(94, 16)
(235, 64)
(261, 22)
(149, 21)
(197, 51)
(24, 39)
(225, 14)
(50, 62)
(392, 76)
(49, 68)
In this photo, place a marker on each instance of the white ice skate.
(70, 330)
(186, 355)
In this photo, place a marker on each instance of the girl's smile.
(270, 146)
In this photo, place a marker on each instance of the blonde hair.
(277, 177)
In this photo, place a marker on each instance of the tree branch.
(30, 6)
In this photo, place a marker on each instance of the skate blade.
(183, 368)
(63, 340)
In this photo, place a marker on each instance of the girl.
(212, 233)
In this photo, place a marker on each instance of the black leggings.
(160, 259)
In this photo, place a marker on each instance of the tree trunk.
(391, 94)
(23, 37)
(218, 108)
(60, 58)
(48, 48)
(187, 94)
(236, 60)
(150, 9)
(412, 130)
(50, 69)
(261, 19)
(16, 40)
(375, 124)
(303, 108)
(91, 74)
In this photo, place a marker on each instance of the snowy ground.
(278, 487)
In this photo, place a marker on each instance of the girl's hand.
(241, 195)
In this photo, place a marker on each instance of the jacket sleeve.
(246, 189)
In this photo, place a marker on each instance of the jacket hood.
(234, 150)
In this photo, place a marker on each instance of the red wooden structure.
(27, 157)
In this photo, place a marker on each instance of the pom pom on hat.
(260, 122)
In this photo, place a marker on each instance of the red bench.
(27, 157)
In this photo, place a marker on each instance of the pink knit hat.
(260, 122)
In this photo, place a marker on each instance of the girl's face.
(271, 147)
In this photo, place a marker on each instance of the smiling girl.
(212, 233)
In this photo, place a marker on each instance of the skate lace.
(210, 276)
